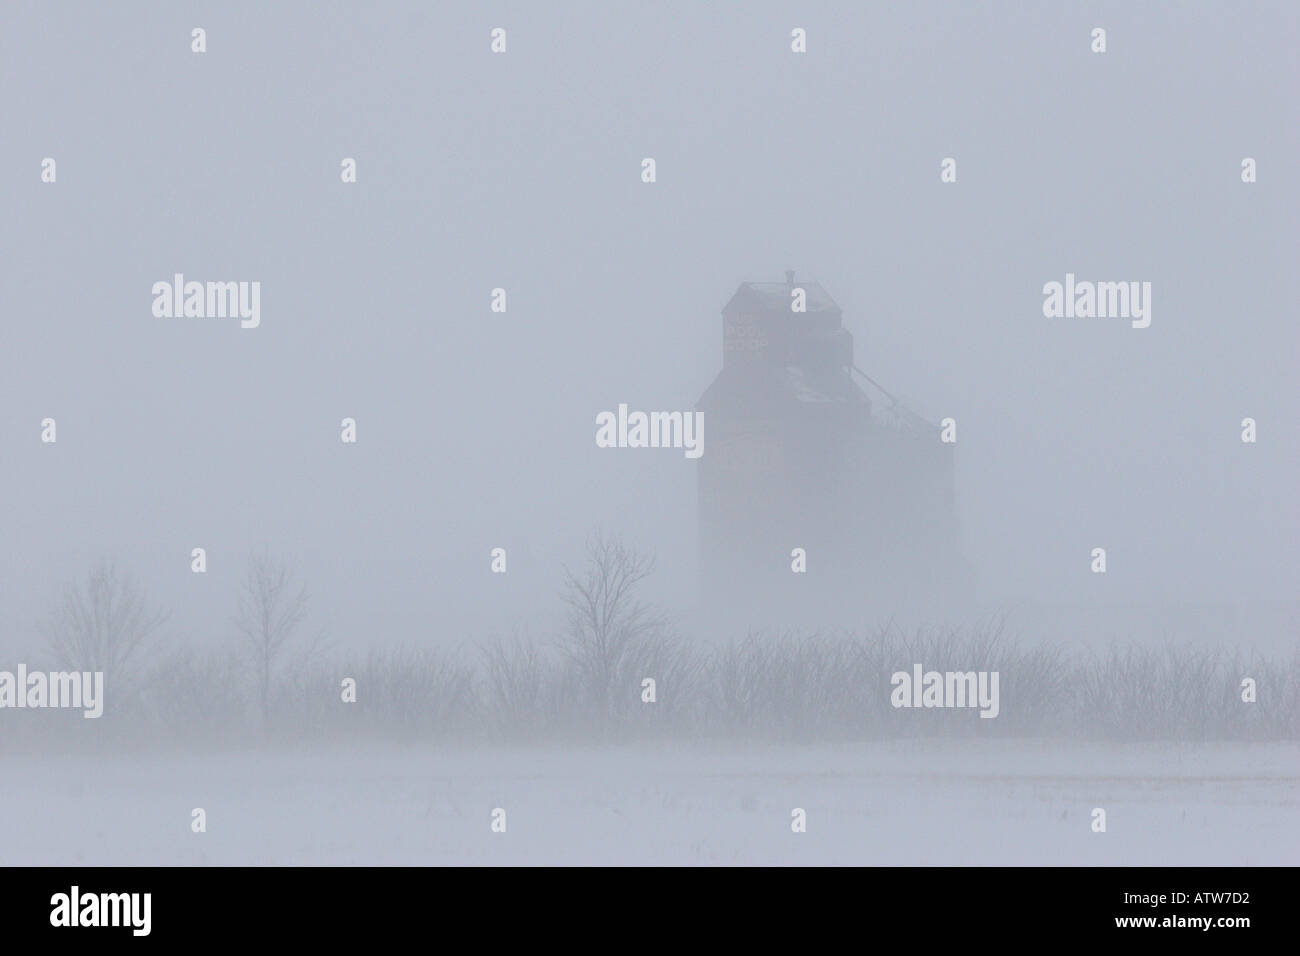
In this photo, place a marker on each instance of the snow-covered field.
(919, 803)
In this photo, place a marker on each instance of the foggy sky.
(476, 430)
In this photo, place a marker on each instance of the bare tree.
(103, 625)
(606, 622)
(271, 607)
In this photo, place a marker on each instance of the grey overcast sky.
(522, 171)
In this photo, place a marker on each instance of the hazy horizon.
(522, 171)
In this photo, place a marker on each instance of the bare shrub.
(201, 694)
(516, 684)
(414, 692)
